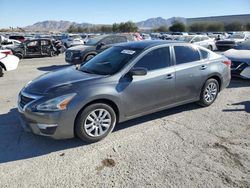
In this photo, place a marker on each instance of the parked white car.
(8, 62)
(9, 43)
(70, 40)
(201, 40)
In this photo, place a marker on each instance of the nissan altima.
(123, 82)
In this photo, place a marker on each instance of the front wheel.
(95, 122)
(209, 92)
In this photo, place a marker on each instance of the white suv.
(72, 40)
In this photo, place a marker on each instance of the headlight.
(56, 104)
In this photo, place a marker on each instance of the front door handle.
(203, 67)
(169, 76)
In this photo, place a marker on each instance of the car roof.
(147, 44)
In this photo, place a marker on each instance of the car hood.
(59, 81)
(238, 55)
(80, 47)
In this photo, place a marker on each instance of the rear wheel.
(95, 122)
(1, 71)
(209, 92)
(19, 55)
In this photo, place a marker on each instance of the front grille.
(24, 100)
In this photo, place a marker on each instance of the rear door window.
(155, 59)
(186, 54)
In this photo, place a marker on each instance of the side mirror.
(138, 71)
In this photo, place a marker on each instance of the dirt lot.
(187, 146)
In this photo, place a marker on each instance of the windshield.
(243, 46)
(94, 41)
(109, 61)
(237, 36)
(185, 39)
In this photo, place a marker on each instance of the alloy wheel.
(97, 122)
(210, 92)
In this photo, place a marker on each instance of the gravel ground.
(187, 146)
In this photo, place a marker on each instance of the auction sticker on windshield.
(130, 52)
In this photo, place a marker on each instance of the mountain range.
(51, 25)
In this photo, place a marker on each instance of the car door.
(33, 48)
(45, 47)
(190, 72)
(156, 89)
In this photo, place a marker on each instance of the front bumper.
(73, 58)
(57, 125)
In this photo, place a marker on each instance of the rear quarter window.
(204, 54)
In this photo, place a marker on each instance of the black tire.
(19, 55)
(206, 98)
(88, 57)
(81, 121)
(1, 71)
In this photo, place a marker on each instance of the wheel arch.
(217, 78)
(109, 102)
(2, 65)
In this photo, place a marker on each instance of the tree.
(72, 29)
(234, 26)
(177, 27)
(115, 27)
(198, 27)
(248, 26)
(215, 26)
(161, 29)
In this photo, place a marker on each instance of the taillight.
(8, 52)
(228, 63)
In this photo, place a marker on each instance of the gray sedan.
(123, 82)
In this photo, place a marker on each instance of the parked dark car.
(240, 57)
(232, 40)
(35, 47)
(123, 82)
(82, 53)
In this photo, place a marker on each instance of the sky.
(27, 12)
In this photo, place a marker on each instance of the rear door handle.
(169, 76)
(203, 67)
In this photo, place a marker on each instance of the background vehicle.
(240, 57)
(17, 37)
(81, 53)
(71, 40)
(33, 48)
(10, 43)
(200, 40)
(8, 62)
(123, 82)
(232, 41)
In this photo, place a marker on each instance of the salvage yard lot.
(187, 146)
